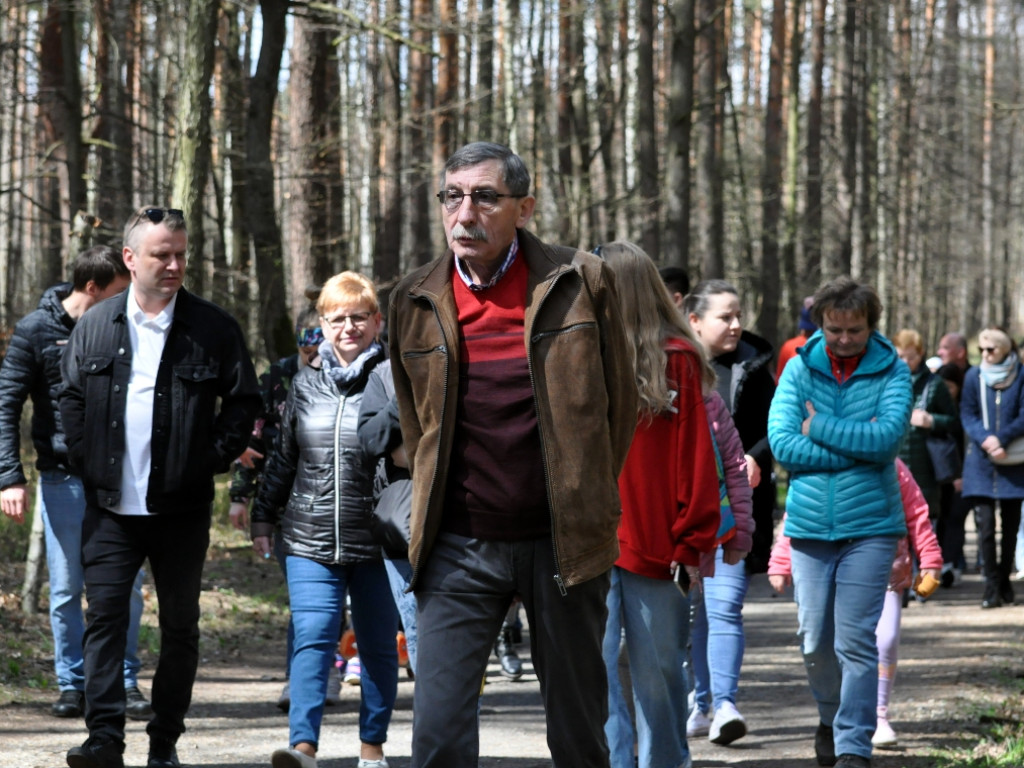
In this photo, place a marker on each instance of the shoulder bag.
(1015, 450)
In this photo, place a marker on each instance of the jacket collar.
(878, 356)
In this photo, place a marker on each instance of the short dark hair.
(513, 169)
(675, 279)
(844, 294)
(101, 264)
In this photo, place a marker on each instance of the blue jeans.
(717, 641)
(839, 588)
(399, 574)
(317, 596)
(62, 502)
(656, 619)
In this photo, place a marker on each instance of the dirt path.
(956, 660)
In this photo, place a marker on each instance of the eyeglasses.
(484, 199)
(986, 350)
(309, 337)
(358, 320)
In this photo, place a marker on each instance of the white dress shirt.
(148, 337)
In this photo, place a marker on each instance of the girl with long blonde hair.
(670, 516)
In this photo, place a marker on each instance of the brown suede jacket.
(583, 382)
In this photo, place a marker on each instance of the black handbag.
(389, 523)
(942, 449)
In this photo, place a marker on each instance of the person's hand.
(13, 500)
(921, 418)
(733, 556)
(993, 447)
(805, 428)
(779, 582)
(239, 514)
(753, 471)
(958, 485)
(249, 458)
(261, 545)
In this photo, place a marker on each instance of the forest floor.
(957, 701)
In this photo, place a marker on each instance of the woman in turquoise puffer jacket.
(836, 423)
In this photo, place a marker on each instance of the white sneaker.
(333, 697)
(697, 724)
(884, 736)
(728, 725)
(291, 758)
(382, 763)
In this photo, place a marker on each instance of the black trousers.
(113, 549)
(997, 562)
(462, 598)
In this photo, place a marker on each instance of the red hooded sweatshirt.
(669, 485)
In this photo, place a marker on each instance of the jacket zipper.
(995, 473)
(559, 582)
(337, 480)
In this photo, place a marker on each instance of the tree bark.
(649, 188)
(423, 181)
(676, 250)
(771, 179)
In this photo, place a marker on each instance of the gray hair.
(513, 169)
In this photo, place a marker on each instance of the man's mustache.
(460, 232)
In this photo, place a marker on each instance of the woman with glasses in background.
(992, 414)
(323, 480)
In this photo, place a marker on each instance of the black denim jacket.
(204, 365)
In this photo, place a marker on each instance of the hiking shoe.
(697, 724)
(727, 726)
(824, 745)
(353, 671)
(853, 761)
(135, 705)
(884, 736)
(70, 704)
(291, 758)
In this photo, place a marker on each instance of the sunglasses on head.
(156, 215)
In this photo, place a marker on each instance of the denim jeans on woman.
(656, 620)
(62, 503)
(317, 596)
(399, 575)
(717, 639)
(839, 588)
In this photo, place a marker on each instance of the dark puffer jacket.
(31, 369)
(319, 472)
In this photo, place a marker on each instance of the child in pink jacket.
(887, 633)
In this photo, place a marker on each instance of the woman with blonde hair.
(934, 414)
(322, 479)
(670, 516)
(992, 413)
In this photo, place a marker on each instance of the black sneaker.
(95, 756)
(135, 705)
(70, 704)
(824, 746)
(853, 761)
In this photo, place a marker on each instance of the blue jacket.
(1006, 421)
(842, 479)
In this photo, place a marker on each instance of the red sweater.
(669, 485)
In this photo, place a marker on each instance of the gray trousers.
(462, 597)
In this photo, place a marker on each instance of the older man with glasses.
(514, 382)
(159, 394)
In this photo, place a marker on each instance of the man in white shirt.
(159, 395)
